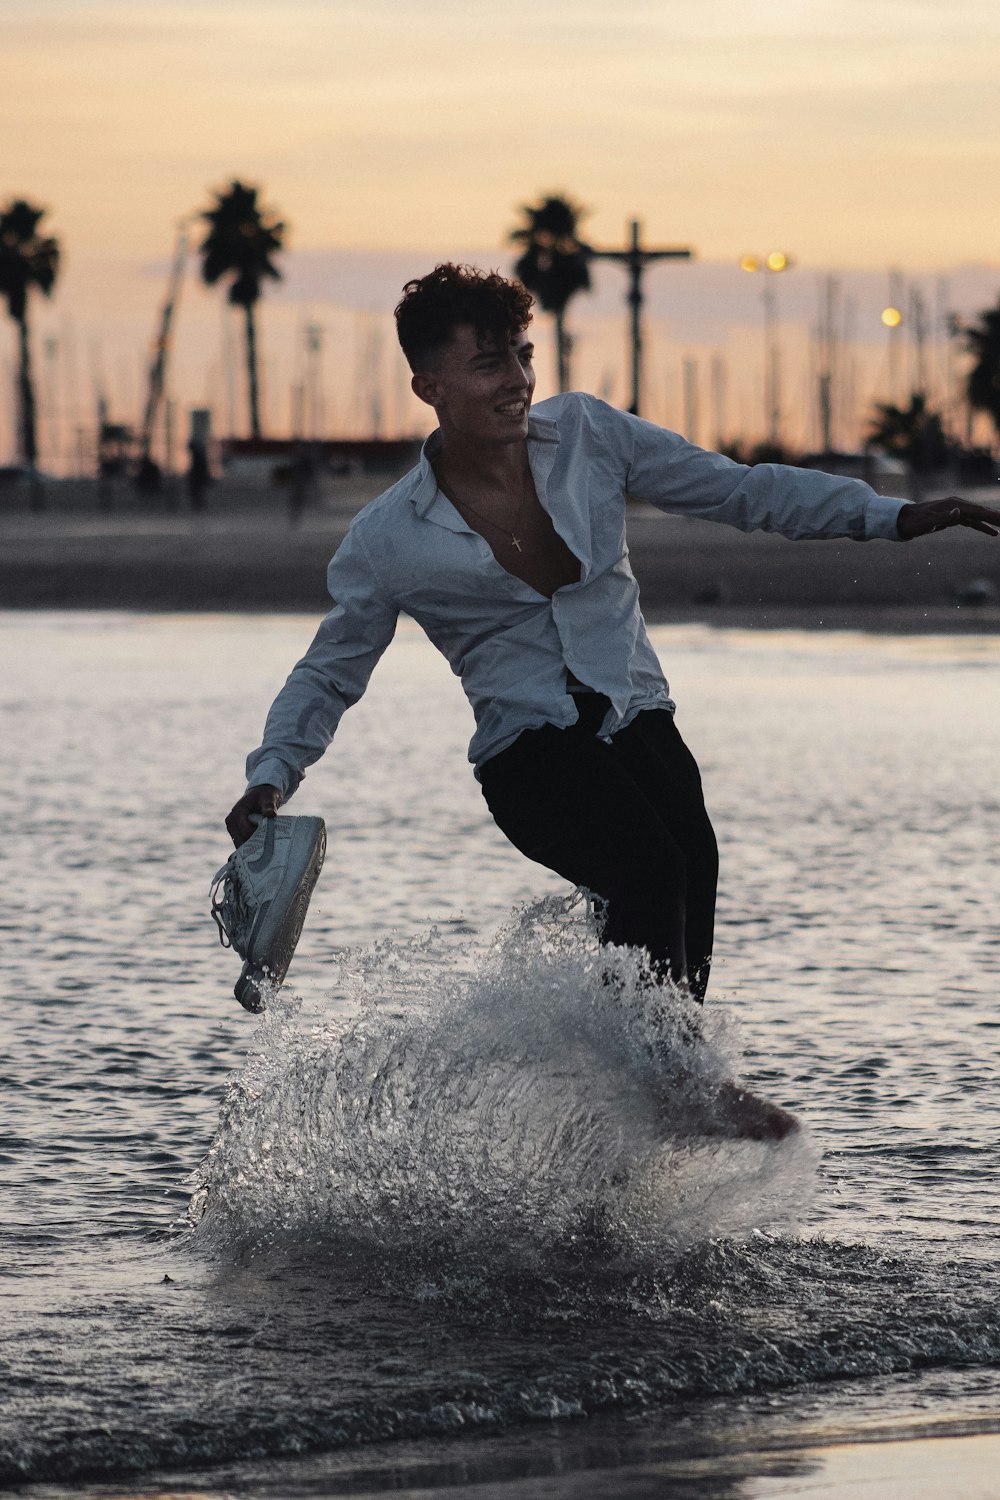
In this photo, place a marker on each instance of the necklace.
(515, 539)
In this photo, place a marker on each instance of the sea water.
(463, 1178)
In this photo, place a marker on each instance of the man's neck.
(503, 466)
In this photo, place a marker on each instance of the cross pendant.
(517, 544)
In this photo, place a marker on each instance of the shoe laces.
(229, 909)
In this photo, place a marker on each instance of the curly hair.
(433, 306)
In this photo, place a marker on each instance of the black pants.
(627, 820)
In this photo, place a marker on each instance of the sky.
(854, 131)
(856, 135)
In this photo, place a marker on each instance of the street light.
(776, 261)
(891, 319)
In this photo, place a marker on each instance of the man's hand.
(260, 801)
(925, 516)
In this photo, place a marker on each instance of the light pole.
(827, 344)
(775, 262)
(958, 399)
(314, 380)
(635, 258)
(891, 318)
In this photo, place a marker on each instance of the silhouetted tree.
(554, 265)
(241, 241)
(914, 433)
(27, 259)
(983, 388)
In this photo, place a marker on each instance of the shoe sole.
(271, 949)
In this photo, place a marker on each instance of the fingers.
(238, 825)
(258, 802)
(975, 522)
(924, 517)
(978, 517)
(968, 513)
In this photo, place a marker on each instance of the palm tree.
(554, 265)
(241, 240)
(914, 433)
(983, 386)
(27, 259)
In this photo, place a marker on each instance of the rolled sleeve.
(331, 676)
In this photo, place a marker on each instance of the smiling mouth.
(512, 408)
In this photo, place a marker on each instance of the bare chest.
(521, 536)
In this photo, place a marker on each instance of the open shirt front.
(410, 551)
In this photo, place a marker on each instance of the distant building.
(274, 461)
(885, 474)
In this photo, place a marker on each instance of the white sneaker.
(260, 898)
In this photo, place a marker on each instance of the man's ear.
(424, 385)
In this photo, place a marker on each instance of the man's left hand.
(925, 516)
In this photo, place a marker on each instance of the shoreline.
(603, 1456)
(254, 561)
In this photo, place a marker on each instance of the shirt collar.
(540, 430)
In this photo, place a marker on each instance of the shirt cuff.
(274, 772)
(880, 518)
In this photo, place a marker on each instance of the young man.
(507, 544)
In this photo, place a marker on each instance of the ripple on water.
(849, 783)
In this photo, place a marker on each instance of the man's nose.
(515, 373)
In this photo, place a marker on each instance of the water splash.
(549, 1101)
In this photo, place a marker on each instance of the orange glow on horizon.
(388, 135)
(389, 125)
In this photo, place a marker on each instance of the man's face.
(480, 389)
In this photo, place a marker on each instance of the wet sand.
(252, 559)
(961, 1468)
(601, 1461)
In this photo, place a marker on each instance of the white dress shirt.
(411, 551)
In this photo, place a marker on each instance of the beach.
(243, 553)
(919, 1462)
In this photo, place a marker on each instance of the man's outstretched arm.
(678, 477)
(923, 517)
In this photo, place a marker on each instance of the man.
(507, 544)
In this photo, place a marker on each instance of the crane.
(148, 473)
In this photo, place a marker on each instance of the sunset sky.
(851, 133)
(857, 130)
